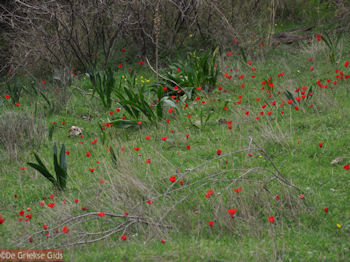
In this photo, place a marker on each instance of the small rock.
(76, 131)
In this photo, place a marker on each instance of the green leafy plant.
(103, 84)
(332, 43)
(114, 158)
(15, 89)
(134, 101)
(60, 167)
(197, 71)
(51, 131)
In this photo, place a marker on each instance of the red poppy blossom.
(238, 190)
(271, 219)
(123, 237)
(326, 210)
(320, 144)
(150, 202)
(209, 193)
(172, 179)
(136, 148)
(92, 170)
(7, 97)
(232, 211)
(211, 223)
(88, 154)
(162, 241)
(65, 230)
(51, 204)
(218, 152)
(101, 214)
(164, 138)
(347, 167)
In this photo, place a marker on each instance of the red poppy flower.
(347, 167)
(148, 161)
(301, 196)
(238, 190)
(21, 213)
(7, 97)
(45, 227)
(164, 138)
(209, 193)
(346, 64)
(88, 154)
(136, 148)
(2, 220)
(271, 219)
(211, 223)
(150, 202)
(67, 153)
(188, 147)
(18, 104)
(162, 241)
(65, 229)
(101, 214)
(218, 152)
(172, 179)
(326, 210)
(320, 144)
(232, 211)
(277, 197)
(94, 141)
(83, 208)
(123, 237)
(51, 204)
(92, 170)
(30, 240)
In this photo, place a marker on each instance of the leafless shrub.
(86, 33)
(18, 130)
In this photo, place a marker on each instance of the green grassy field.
(180, 213)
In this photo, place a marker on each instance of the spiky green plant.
(332, 42)
(103, 84)
(60, 167)
(197, 71)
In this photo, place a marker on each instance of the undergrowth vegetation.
(229, 154)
